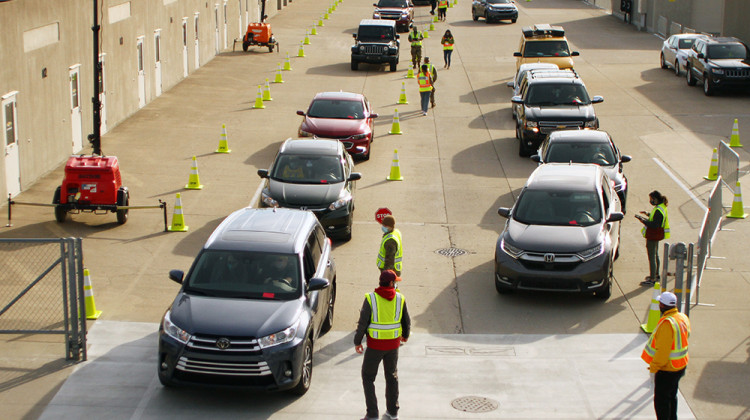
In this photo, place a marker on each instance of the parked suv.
(545, 44)
(718, 63)
(551, 100)
(494, 10)
(258, 295)
(401, 11)
(562, 234)
(376, 41)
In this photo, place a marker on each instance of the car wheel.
(689, 76)
(677, 68)
(355, 65)
(328, 322)
(663, 63)
(306, 369)
(486, 18)
(606, 291)
(518, 132)
(474, 16)
(502, 289)
(393, 66)
(708, 88)
(523, 151)
(513, 21)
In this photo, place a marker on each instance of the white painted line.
(256, 197)
(678, 182)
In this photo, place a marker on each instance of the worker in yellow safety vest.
(433, 78)
(385, 319)
(667, 356)
(391, 250)
(424, 79)
(415, 37)
(655, 228)
(442, 9)
(447, 41)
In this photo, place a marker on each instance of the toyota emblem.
(549, 258)
(223, 343)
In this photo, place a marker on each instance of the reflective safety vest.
(664, 220)
(424, 83)
(448, 44)
(416, 40)
(385, 318)
(430, 69)
(678, 356)
(443, 4)
(396, 236)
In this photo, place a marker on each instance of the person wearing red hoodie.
(385, 320)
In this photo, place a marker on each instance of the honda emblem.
(549, 258)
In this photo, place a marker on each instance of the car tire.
(513, 21)
(708, 87)
(393, 66)
(502, 289)
(355, 65)
(677, 68)
(328, 322)
(689, 76)
(518, 132)
(305, 377)
(606, 292)
(486, 18)
(474, 16)
(663, 62)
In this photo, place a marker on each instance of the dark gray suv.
(253, 304)
(562, 234)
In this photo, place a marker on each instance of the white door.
(157, 61)
(197, 45)
(247, 17)
(239, 16)
(75, 108)
(12, 162)
(184, 48)
(141, 73)
(216, 28)
(225, 25)
(102, 95)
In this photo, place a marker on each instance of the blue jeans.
(447, 57)
(425, 98)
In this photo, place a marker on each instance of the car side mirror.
(398, 36)
(300, 112)
(510, 84)
(176, 275)
(375, 4)
(374, 115)
(625, 158)
(575, 54)
(517, 99)
(504, 211)
(700, 55)
(615, 217)
(354, 36)
(536, 158)
(354, 176)
(317, 283)
(263, 173)
(597, 100)
(517, 54)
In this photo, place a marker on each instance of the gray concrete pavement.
(459, 163)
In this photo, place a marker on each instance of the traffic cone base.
(178, 219)
(734, 140)
(653, 312)
(395, 174)
(396, 127)
(223, 144)
(194, 182)
(88, 293)
(738, 210)
(713, 170)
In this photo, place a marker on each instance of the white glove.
(652, 376)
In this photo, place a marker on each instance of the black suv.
(253, 304)
(718, 63)
(548, 101)
(376, 41)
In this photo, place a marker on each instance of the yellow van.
(543, 43)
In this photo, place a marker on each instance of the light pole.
(96, 137)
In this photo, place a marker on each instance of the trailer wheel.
(245, 46)
(60, 212)
(123, 199)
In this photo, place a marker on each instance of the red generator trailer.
(92, 184)
(259, 34)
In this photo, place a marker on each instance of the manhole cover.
(473, 404)
(451, 252)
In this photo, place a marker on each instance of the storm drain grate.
(451, 252)
(472, 404)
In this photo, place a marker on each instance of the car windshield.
(685, 43)
(393, 3)
(335, 108)
(546, 49)
(243, 274)
(723, 51)
(548, 94)
(557, 208)
(306, 169)
(375, 33)
(597, 153)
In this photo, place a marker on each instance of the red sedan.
(343, 116)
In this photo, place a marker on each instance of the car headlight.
(376, 15)
(303, 133)
(361, 49)
(591, 253)
(173, 330)
(717, 71)
(281, 337)
(510, 249)
(531, 124)
(590, 124)
(341, 202)
(385, 48)
(266, 199)
(358, 136)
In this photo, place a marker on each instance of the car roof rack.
(543, 29)
(551, 73)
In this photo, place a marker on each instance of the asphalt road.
(459, 163)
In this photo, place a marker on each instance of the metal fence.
(729, 165)
(41, 290)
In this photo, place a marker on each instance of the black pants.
(665, 394)
(652, 250)
(370, 371)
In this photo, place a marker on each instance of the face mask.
(653, 202)
(384, 229)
